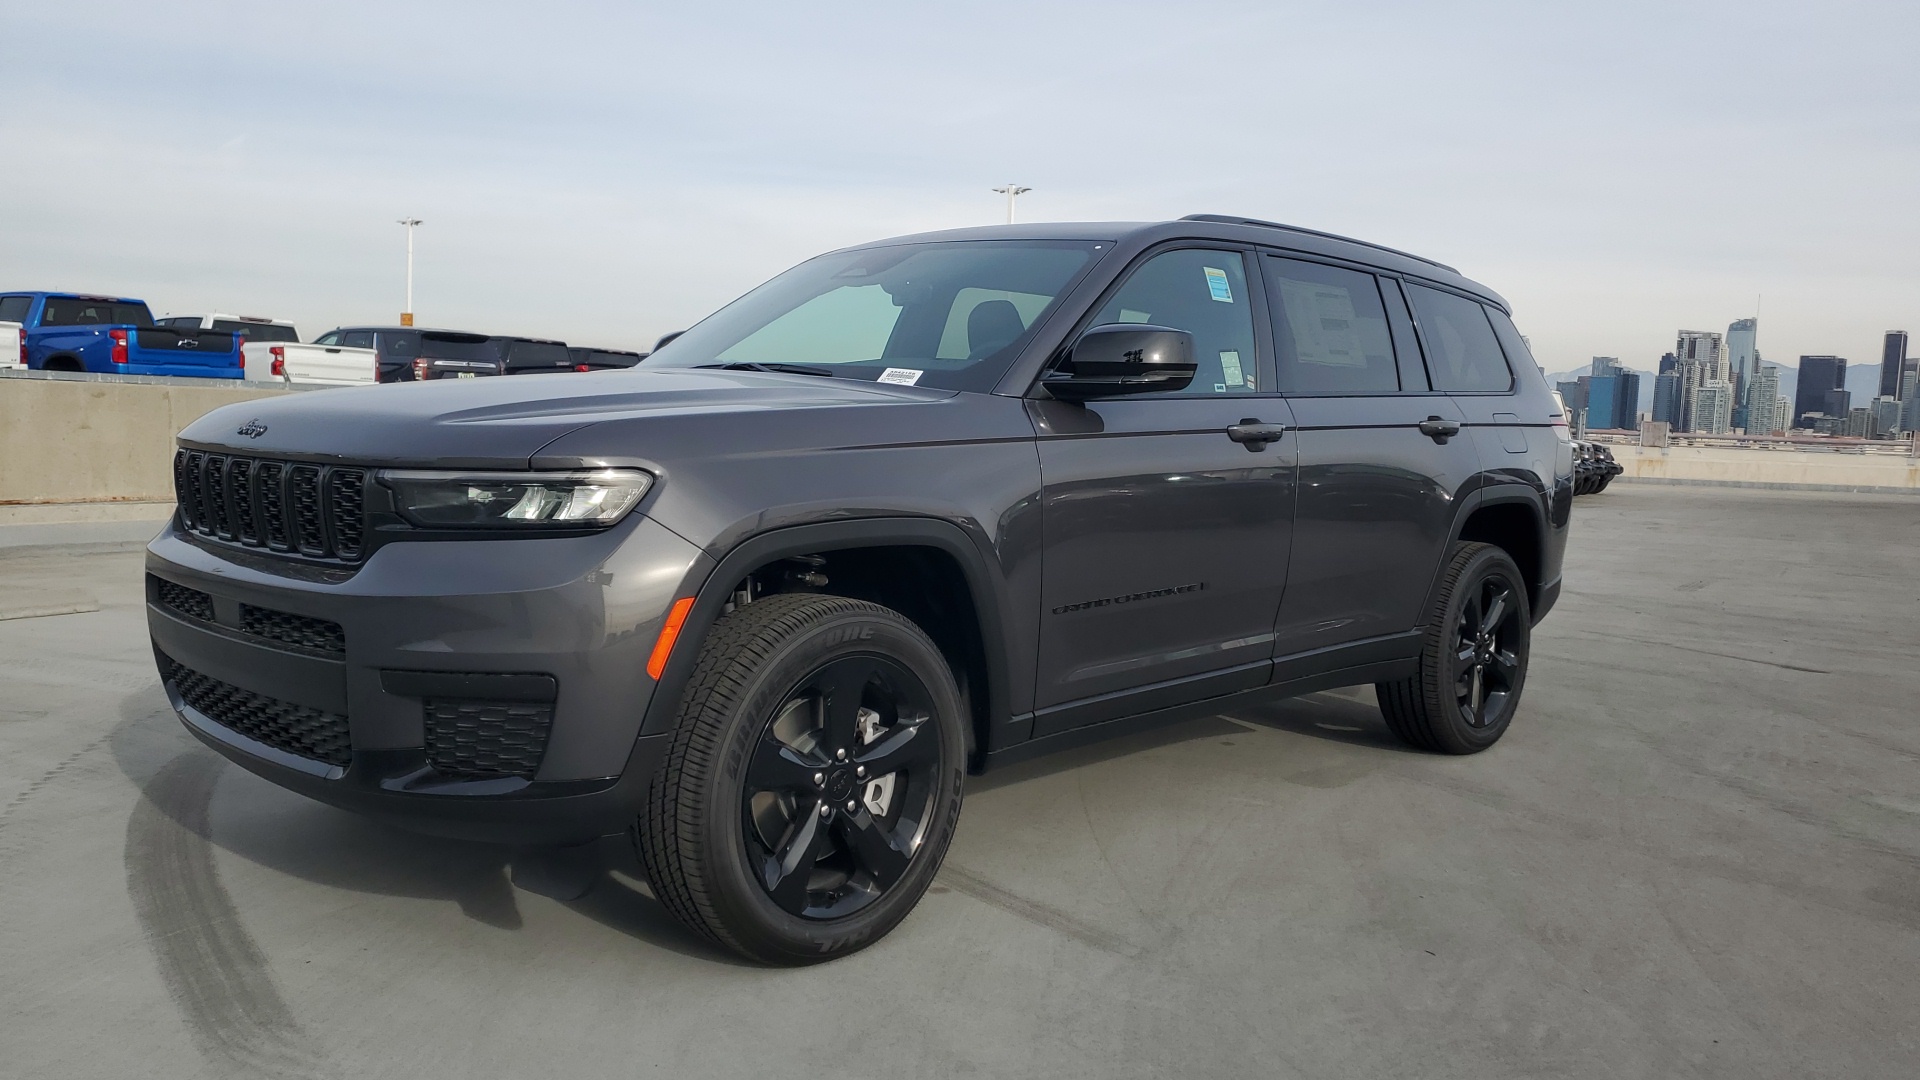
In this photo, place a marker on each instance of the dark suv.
(908, 511)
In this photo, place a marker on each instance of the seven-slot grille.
(297, 729)
(314, 510)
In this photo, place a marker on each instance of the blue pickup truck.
(113, 335)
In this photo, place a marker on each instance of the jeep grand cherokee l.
(908, 511)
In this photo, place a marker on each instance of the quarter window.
(1203, 292)
(1462, 352)
(1330, 330)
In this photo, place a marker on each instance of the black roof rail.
(1229, 219)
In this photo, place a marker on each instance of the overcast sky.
(607, 172)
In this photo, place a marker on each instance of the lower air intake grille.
(297, 729)
(302, 630)
(487, 739)
(192, 603)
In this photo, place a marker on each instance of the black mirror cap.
(1114, 359)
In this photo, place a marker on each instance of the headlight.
(504, 500)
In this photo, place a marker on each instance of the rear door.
(1166, 541)
(1383, 457)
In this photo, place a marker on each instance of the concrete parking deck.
(1696, 854)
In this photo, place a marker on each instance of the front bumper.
(490, 689)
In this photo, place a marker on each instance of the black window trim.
(1262, 325)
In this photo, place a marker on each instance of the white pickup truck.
(13, 345)
(274, 353)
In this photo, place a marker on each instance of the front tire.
(1473, 661)
(813, 780)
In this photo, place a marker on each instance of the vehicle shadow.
(290, 834)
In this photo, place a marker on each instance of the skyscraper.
(1893, 360)
(1605, 367)
(1762, 394)
(1603, 397)
(1886, 417)
(1703, 345)
(1743, 356)
(1666, 397)
(1819, 376)
(1712, 411)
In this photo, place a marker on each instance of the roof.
(1218, 227)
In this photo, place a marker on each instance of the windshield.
(946, 315)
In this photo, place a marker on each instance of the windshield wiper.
(785, 369)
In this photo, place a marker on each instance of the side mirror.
(1115, 359)
(664, 339)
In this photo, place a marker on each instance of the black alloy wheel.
(813, 780)
(1486, 639)
(839, 787)
(1472, 667)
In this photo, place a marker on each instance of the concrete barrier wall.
(68, 443)
(1768, 468)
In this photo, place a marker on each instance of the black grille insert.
(303, 630)
(487, 739)
(307, 732)
(311, 510)
(192, 603)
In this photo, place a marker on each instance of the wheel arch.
(1511, 517)
(63, 362)
(972, 637)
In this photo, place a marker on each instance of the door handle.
(1254, 435)
(1438, 429)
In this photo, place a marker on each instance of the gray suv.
(909, 511)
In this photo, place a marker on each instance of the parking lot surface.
(1697, 853)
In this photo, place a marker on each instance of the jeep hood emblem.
(252, 429)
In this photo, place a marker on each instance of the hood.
(503, 421)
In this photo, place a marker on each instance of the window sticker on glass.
(1128, 315)
(900, 376)
(1217, 284)
(1230, 366)
(1323, 323)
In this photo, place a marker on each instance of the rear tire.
(63, 363)
(766, 829)
(1473, 660)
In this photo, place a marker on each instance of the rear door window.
(1330, 330)
(15, 308)
(1463, 355)
(357, 339)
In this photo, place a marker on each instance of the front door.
(1166, 541)
(1383, 461)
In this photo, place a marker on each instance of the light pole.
(1011, 191)
(406, 317)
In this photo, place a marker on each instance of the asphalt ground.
(1697, 853)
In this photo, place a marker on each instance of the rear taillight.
(119, 353)
(581, 367)
(420, 368)
(279, 354)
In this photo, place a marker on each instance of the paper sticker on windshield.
(1217, 284)
(1230, 367)
(900, 376)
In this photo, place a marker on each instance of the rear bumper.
(485, 689)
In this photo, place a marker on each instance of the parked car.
(363, 354)
(603, 359)
(1594, 467)
(532, 356)
(766, 599)
(260, 334)
(115, 335)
